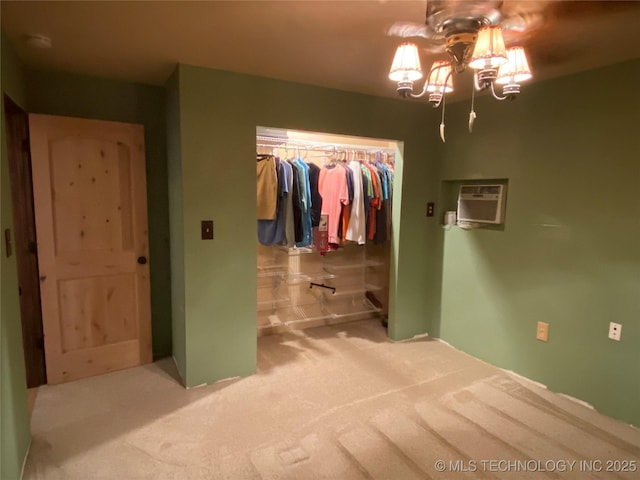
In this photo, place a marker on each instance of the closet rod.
(330, 150)
(279, 143)
(283, 142)
(322, 150)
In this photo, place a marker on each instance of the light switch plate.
(207, 229)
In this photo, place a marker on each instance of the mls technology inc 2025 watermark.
(516, 466)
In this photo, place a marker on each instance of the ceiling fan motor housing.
(459, 46)
(459, 22)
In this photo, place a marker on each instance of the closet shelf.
(348, 266)
(355, 291)
(295, 278)
(306, 301)
(271, 266)
(271, 273)
(292, 251)
(273, 303)
(298, 317)
(271, 270)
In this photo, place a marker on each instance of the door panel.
(91, 169)
(91, 219)
(107, 301)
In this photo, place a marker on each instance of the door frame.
(20, 178)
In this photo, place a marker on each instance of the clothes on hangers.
(316, 198)
(382, 213)
(289, 231)
(367, 214)
(292, 194)
(375, 203)
(345, 213)
(332, 185)
(272, 232)
(297, 205)
(356, 227)
(305, 202)
(267, 184)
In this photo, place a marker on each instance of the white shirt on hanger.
(357, 230)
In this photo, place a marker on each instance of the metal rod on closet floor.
(322, 285)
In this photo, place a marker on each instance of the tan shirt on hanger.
(267, 188)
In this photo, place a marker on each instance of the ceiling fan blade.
(519, 29)
(440, 11)
(433, 48)
(409, 30)
(523, 22)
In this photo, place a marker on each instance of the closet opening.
(324, 229)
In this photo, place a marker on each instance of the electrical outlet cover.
(542, 333)
(615, 331)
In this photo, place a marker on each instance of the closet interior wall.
(300, 288)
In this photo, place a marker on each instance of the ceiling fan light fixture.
(406, 64)
(473, 38)
(489, 51)
(440, 78)
(516, 70)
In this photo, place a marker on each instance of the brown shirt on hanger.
(267, 188)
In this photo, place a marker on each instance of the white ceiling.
(337, 44)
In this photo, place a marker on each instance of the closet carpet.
(337, 402)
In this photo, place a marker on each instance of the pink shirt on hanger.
(332, 186)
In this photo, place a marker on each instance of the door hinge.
(7, 243)
(25, 145)
(40, 343)
(33, 247)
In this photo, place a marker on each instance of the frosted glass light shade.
(517, 69)
(406, 64)
(489, 51)
(438, 75)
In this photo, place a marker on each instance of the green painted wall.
(14, 415)
(570, 252)
(174, 157)
(102, 99)
(219, 112)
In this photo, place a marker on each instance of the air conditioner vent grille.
(481, 203)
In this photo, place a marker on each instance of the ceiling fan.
(472, 33)
(453, 25)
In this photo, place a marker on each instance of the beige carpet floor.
(338, 402)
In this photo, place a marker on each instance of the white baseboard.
(24, 460)
(178, 370)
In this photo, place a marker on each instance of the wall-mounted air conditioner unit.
(481, 204)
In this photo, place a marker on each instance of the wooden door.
(91, 221)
